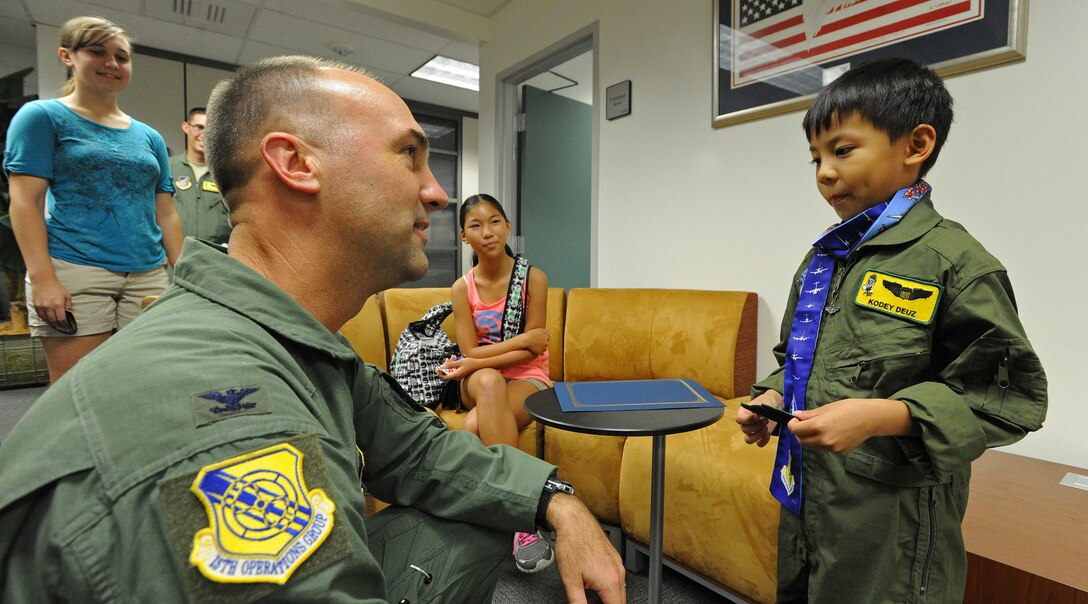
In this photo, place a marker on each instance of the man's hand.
(841, 426)
(756, 428)
(586, 557)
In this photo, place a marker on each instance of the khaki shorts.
(102, 300)
(540, 385)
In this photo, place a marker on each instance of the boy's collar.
(921, 218)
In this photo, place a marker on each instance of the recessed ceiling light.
(450, 71)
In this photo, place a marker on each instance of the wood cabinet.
(1026, 534)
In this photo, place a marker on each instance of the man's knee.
(425, 558)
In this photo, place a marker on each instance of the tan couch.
(720, 521)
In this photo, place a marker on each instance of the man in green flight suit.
(196, 194)
(218, 448)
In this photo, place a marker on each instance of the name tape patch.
(914, 301)
(262, 521)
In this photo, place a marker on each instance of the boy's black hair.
(895, 95)
(194, 111)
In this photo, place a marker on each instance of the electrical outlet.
(1077, 481)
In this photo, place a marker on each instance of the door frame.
(506, 133)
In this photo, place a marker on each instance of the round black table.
(544, 406)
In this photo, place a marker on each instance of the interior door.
(554, 179)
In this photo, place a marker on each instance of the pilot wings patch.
(901, 297)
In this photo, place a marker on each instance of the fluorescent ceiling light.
(450, 71)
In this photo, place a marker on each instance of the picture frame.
(785, 51)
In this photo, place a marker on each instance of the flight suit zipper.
(927, 562)
(1003, 371)
(857, 371)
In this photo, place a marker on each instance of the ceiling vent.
(229, 17)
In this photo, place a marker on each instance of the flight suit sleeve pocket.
(1007, 380)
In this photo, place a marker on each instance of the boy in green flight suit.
(901, 356)
(196, 194)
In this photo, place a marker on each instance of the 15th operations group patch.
(914, 301)
(263, 522)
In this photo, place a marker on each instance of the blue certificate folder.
(633, 395)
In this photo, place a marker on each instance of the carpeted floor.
(13, 404)
(514, 587)
(545, 587)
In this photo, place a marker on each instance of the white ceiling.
(389, 37)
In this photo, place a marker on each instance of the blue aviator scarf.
(837, 243)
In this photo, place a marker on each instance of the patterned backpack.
(421, 348)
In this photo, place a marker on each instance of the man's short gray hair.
(279, 93)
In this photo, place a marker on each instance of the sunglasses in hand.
(67, 328)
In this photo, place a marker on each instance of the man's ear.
(920, 144)
(292, 161)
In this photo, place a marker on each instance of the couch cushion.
(720, 518)
(367, 334)
(631, 334)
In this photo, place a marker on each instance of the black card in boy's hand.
(771, 413)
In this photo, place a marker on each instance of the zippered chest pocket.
(879, 365)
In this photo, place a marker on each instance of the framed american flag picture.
(773, 56)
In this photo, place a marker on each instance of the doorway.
(548, 165)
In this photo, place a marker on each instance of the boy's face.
(859, 166)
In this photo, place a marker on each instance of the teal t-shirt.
(100, 205)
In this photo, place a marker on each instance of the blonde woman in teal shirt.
(91, 201)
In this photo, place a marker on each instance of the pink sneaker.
(532, 553)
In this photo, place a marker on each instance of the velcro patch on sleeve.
(244, 525)
(901, 297)
(214, 405)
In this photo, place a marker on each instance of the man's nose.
(431, 194)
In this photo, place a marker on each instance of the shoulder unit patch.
(901, 297)
(263, 522)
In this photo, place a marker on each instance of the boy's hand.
(841, 426)
(756, 428)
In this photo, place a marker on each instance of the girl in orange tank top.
(497, 375)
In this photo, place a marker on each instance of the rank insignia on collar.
(263, 522)
(183, 183)
(209, 185)
(901, 297)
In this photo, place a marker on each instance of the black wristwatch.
(552, 486)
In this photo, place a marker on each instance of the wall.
(470, 173)
(683, 205)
